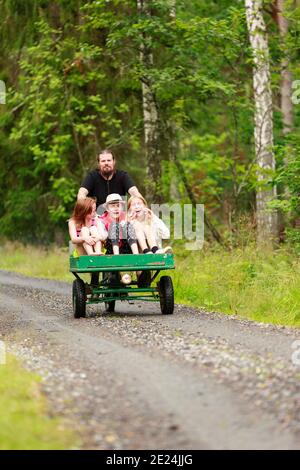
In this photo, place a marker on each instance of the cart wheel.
(166, 294)
(79, 298)
(110, 306)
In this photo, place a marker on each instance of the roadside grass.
(262, 286)
(51, 263)
(24, 422)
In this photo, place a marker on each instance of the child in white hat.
(121, 234)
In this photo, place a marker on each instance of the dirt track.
(139, 380)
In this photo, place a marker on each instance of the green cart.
(110, 288)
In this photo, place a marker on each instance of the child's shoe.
(162, 251)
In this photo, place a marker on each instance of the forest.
(200, 101)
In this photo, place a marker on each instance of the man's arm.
(133, 191)
(87, 186)
(82, 193)
(129, 186)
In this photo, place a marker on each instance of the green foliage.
(57, 118)
(24, 423)
(74, 77)
(288, 182)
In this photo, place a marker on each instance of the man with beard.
(106, 180)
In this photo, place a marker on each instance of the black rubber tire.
(110, 306)
(79, 299)
(166, 295)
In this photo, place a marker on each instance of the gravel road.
(138, 380)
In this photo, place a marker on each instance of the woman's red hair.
(83, 207)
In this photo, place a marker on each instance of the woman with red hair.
(85, 229)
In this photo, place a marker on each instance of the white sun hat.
(114, 197)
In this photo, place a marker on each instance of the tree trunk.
(267, 230)
(286, 104)
(151, 119)
(286, 74)
(172, 4)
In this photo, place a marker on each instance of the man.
(106, 180)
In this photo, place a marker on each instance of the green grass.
(263, 286)
(24, 422)
(36, 262)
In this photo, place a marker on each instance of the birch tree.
(263, 121)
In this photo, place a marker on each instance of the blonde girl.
(149, 229)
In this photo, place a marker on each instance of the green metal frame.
(149, 294)
(119, 263)
(88, 264)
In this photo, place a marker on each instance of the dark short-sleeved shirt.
(100, 188)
